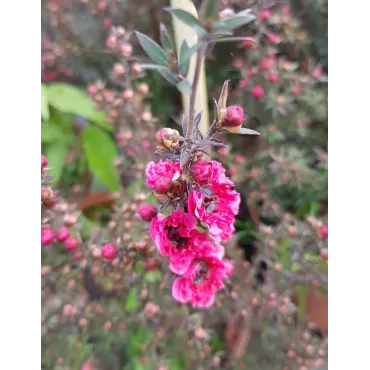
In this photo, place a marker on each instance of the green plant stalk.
(184, 32)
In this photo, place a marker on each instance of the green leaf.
(131, 300)
(184, 86)
(208, 8)
(184, 61)
(45, 114)
(233, 39)
(188, 19)
(152, 276)
(239, 19)
(153, 50)
(170, 77)
(284, 255)
(166, 39)
(154, 67)
(100, 153)
(247, 131)
(69, 99)
(56, 153)
(186, 53)
(51, 133)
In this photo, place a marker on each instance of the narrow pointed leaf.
(184, 87)
(247, 131)
(188, 19)
(238, 20)
(187, 53)
(184, 58)
(166, 39)
(208, 8)
(234, 39)
(170, 77)
(153, 67)
(223, 97)
(154, 51)
(44, 103)
(198, 118)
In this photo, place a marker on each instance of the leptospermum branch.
(200, 56)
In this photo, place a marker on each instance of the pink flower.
(164, 168)
(203, 278)
(147, 212)
(201, 172)
(217, 208)
(176, 238)
(47, 235)
(109, 251)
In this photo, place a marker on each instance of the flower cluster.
(211, 205)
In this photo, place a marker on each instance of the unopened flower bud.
(323, 231)
(258, 91)
(265, 14)
(234, 118)
(119, 70)
(128, 94)
(147, 211)
(71, 243)
(111, 42)
(136, 69)
(44, 162)
(164, 138)
(47, 235)
(125, 50)
(109, 251)
(143, 89)
(226, 13)
(62, 234)
(162, 185)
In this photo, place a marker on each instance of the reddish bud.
(243, 83)
(201, 172)
(46, 193)
(109, 251)
(162, 185)
(102, 6)
(296, 90)
(71, 243)
(62, 234)
(317, 72)
(147, 212)
(164, 138)
(273, 38)
(119, 70)
(233, 171)
(47, 235)
(234, 118)
(125, 50)
(273, 77)
(258, 91)
(128, 94)
(265, 64)
(323, 231)
(44, 162)
(238, 63)
(250, 71)
(146, 116)
(107, 23)
(111, 42)
(265, 14)
(143, 89)
(249, 43)
(239, 158)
